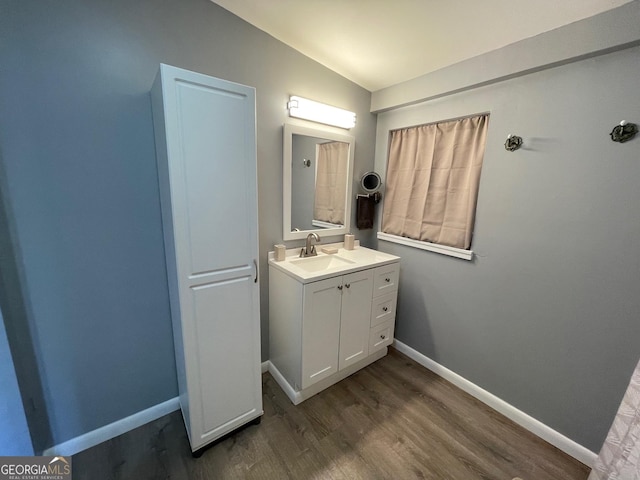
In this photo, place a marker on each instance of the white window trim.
(431, 247)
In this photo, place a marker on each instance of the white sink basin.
(317, 264)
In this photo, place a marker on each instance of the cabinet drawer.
(381, 336)
(383, 309)
(386, 279)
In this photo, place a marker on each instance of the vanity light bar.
(319, 112)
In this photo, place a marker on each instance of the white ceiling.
(378, 43)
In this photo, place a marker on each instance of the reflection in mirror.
(317, 180)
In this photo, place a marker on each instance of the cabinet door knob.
(339, 287)
(384, 309)
(347, 285)
(387, 280)
(383, 337)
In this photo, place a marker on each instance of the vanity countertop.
(313, 269)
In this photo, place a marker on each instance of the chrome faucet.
(309, 250)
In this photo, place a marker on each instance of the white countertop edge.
(378, 259)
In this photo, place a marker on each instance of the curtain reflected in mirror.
(319, 181)
(331, 184)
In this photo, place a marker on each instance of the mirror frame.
(287, 151)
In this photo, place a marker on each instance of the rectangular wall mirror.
(317, 179)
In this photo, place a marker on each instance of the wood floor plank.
(422, 442)
(392, 420)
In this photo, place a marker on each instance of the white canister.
(280, 253)
(348, 241)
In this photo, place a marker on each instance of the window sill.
(431, 247)
(322, 224)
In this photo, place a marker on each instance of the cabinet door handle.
(339, 287)
(387, 279)
(382, 337)
(384, 309)
(255, 264)
(347, 285)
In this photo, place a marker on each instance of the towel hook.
(377, 196)
(513, 143)
(624, 132)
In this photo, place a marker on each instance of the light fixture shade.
(319, 112)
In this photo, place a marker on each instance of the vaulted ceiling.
(378, 43)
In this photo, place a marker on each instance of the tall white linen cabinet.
(205, 131)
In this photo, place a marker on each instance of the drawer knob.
(347, 285)
(339, 287)
(383, 337)
(387, 279)
(384, 309)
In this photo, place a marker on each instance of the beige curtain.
(619, 458)
(432, 181)
(331, 182)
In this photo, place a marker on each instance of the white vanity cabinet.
(323, 331)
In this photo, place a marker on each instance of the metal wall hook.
(377, 196)
(623, 132)
(513, 143)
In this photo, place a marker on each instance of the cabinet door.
(208, 191)
(355, 319)
(320, 330)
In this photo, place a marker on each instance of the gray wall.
(14, 432)
(76, 138)
(546, 316)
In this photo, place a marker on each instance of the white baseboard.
(264, 367)
(543, 431)
(102, 434)
(284, 385)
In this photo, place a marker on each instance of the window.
(433, 174)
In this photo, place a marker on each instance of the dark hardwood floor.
(391, 420)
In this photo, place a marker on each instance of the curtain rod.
(441, 121)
